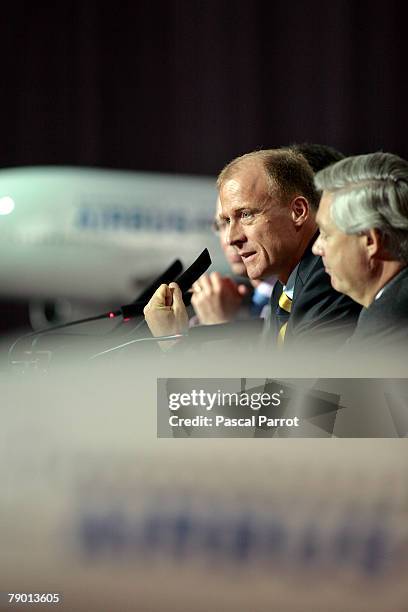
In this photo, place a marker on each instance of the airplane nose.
(7, 205)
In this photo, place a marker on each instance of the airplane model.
(78, 239)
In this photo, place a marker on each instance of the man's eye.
(246, 214)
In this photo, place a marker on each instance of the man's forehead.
(246, 180)
(326, 201)
(246, 190)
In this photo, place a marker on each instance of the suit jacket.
(384, 324)
(319, 315)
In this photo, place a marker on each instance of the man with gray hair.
(363, 241)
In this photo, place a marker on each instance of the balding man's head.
(267, 201)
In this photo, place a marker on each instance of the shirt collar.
(379, 294)
(387, 284)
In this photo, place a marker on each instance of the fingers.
(165, 313)
(204, 284)
(215, 299)
(175, 295)
(208, 284)
(178, 307)
(161, 298)
(214, 284)
(217, 281)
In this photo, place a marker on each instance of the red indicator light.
(112, 315)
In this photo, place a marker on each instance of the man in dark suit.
(218, 299)
(268, 202)
(363, 242)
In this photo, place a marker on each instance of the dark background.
(185, 86)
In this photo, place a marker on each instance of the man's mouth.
(246, 257)
(235, 258)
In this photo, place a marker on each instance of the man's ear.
(373, 242)
(299, 208)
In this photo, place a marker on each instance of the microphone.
(197, 268)
(167, 277)
(184, 281)
(128, 311)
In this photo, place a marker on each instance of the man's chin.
(254, 275)
(239, 269)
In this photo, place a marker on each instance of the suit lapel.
(306, 266)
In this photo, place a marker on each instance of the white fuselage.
(99, 235)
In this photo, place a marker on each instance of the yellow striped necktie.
(283, 312)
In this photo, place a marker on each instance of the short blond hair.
(285, 169)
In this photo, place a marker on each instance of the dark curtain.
(184, 86)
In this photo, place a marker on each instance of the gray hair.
(370, 192)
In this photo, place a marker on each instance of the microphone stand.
(137, 340)
(128, 311)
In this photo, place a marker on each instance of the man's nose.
(317, 247)
(235, 234)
